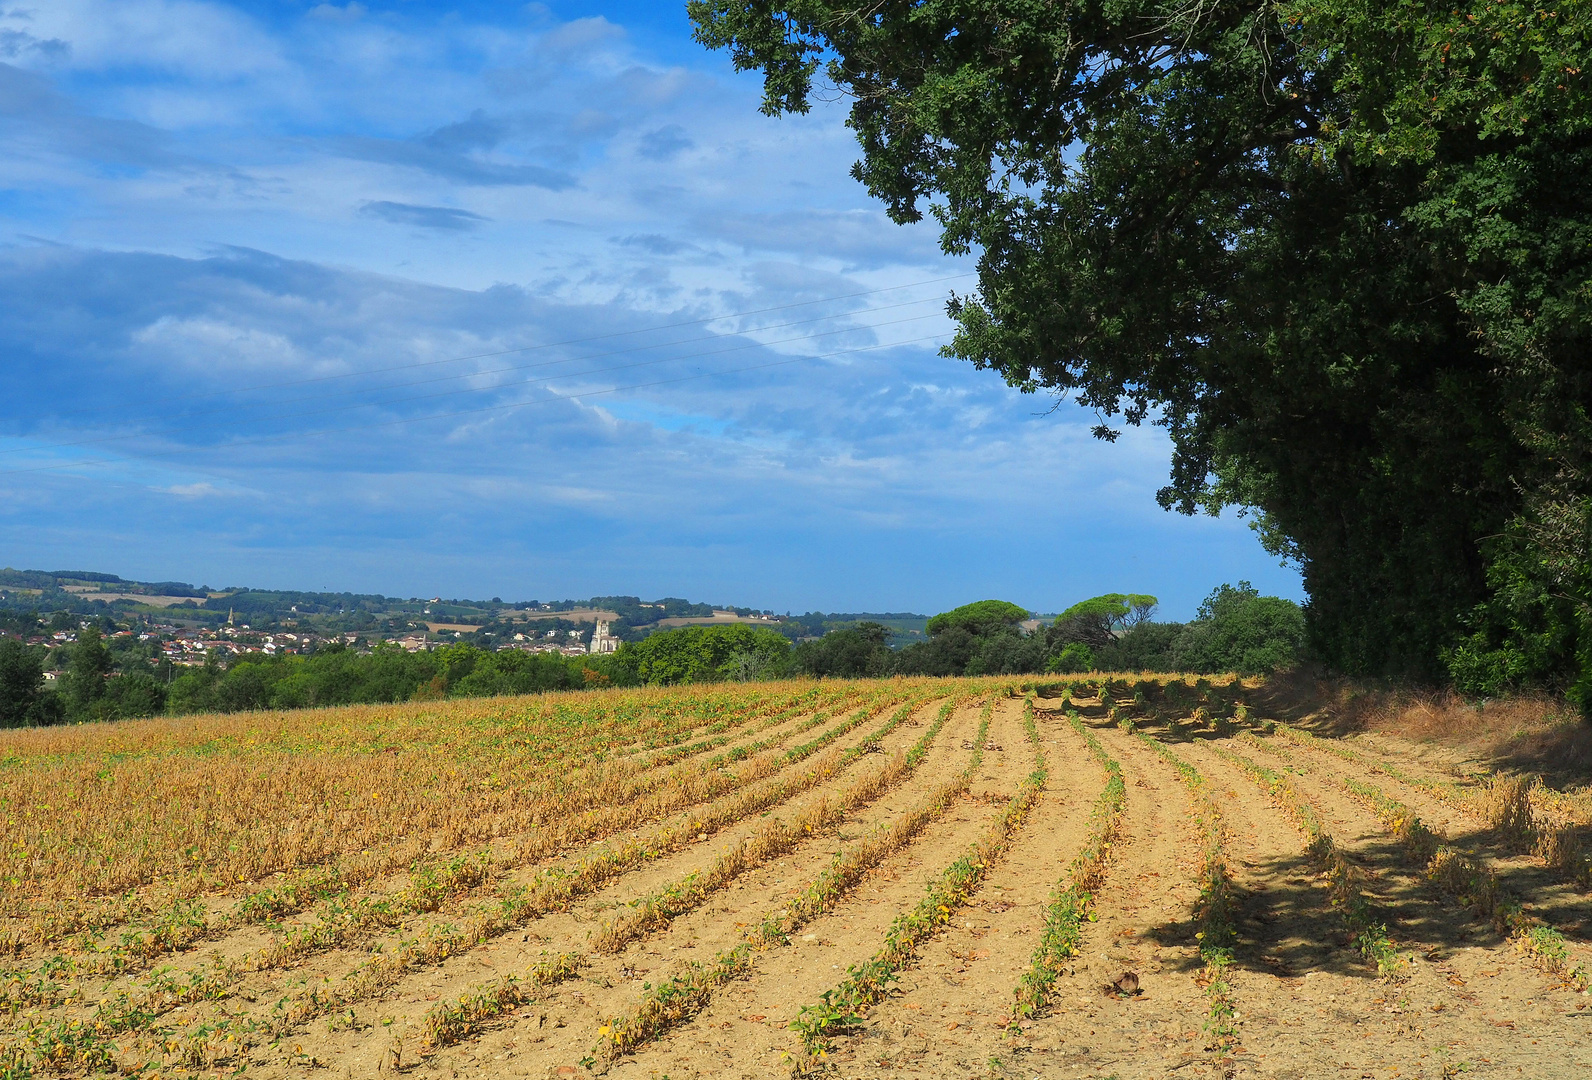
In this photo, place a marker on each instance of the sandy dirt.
(1466, 1001)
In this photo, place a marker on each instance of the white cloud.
(201, 490)
(229, 204)
(211, 344)
(347, 13)
(180, 36)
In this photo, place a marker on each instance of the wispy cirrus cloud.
(448, 163)
(426, 217)
(19, 43)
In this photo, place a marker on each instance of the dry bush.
(1560, 847)
(1460, 875)
(1507, 805)
(1523, 725)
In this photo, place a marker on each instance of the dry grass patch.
(1528, 732)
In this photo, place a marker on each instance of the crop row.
(434, 880)
(551, 889)
(556, 887)
(869, 982)
(1457, 872)
(195, 818)
(679, 997)
(456, 1019)
(599, 867)
(1213, 910)
(183, 924)
(1346, 881)
(546, 795)
(1073, 901)
(1512, 805)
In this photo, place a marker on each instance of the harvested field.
(1084, 877)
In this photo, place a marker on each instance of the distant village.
(178, 624)
(186, 646)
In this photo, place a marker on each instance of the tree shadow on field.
(1283, 916)
(1283, 922)
(1287, 927)
(1561, 754)
(1558, 902)
(1295, 912)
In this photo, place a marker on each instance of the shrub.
(1073, 658)
(1239, 630)
(705, 654)
(848, 653)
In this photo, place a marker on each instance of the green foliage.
(1240, 630)
(339, 676)
(23, 700)
(1483, 672)
(815, 1023)
(1098, 621)
(1536, 627)
(980, 617)
(134, 694)
(1004, 650)
(101, 684)
(1237, 630)
(1339, 249)
(946, 653)
(981, 638)
(87, 669)
(515, 672)
(854, 652)
(1074, 657)
(1147, 647)
(706, 654)
(1008, 652)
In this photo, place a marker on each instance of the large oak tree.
(1338, 248)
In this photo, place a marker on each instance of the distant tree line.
(105, 684)
(338, 675)
(101, 683)
(1236, 629)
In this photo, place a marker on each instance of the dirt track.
(1464, 998)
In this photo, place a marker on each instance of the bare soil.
(1467, 1000)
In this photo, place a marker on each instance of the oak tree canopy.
(1337, 248)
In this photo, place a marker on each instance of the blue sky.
(484, 299)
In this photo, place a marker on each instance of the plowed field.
(1094, 877)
